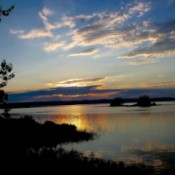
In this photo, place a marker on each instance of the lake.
(130, 134)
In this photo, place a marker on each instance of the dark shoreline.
(28, 147)
(56, 103)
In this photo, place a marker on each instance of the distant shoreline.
(57, 103)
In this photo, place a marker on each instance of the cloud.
(165, 27)
(104, 28)
(146, 60)
(69, 21)
(37, 33)
(16, 32)
(84, 52)
(62, 93)
(72, 21)
(86, 93)
(47, 12)
(149, 40)
(49, 47)
(76, 82)
(108, 28)
(160, 38)
(170, 2)
(99, 32)
(145, 40)
(140, 8)
(77, 96)
(161, 48)
(43, 14)
(152, 92)
(159, 84)
(33, 34)
(84, 80)
(42, 32)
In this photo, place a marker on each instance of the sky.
(89, 49)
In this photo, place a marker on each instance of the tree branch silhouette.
(5, 71)
(5, 12)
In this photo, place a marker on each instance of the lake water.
(131, 134)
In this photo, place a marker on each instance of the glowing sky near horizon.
(87, 49)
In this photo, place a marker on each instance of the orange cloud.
(79, 96)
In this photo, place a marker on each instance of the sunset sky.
(89, 49)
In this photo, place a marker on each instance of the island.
(142, 101)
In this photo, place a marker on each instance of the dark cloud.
(161, 48)
(161, 38)
(89, 29)
(84, 93)
(58, 93)
(156, 92)
(165, 27)
(84, 52)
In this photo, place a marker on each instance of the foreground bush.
(58, 161)
(25, 133)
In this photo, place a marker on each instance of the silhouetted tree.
(5, 75)
(4, 100)
(117, 102)
(6, 12)
(144, 101)
(5, 70)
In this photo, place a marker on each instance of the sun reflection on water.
(82, 122)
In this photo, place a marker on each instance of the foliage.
(3, 96)
(5, 12)
(5, 73)
(3, 100)
(55, 161)
(60, 161)
(5, 70)
(26, 133)
(117, 102)
(144, 101)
